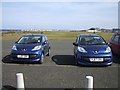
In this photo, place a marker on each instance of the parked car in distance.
(30, 48)
(92, 49)
(115, 44)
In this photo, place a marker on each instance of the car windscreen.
(91, 40)
(30, 39)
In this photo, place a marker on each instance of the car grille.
(87, 59)
(31, 56)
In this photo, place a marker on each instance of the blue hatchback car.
(30, 48)
(92, 49)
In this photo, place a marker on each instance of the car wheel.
(41, 58)
(76, 62)
(75, 56)
(48, 52)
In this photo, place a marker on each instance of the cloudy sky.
(59, 15)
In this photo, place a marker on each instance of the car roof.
(34, 35)
(80, 35)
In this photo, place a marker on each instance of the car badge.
(96, 52)
(24, 49)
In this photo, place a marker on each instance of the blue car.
(30, 48)
(92, 49)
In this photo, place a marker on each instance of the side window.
(43, 39)
(77, 40)
(46, 38)
(115, 38)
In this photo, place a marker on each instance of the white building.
(93, 31)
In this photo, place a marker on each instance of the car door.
(44, 45)
(119, 45)
(47, 44)
(114, 44)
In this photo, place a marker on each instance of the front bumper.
(84, 59)
(33, 56)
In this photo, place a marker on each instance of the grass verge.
(53, 35)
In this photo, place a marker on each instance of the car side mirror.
(45, 42)
(75, 44)
(109, 44)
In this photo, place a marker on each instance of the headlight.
(108, 49)
(14, 48)
(81, 49)
(36, 48)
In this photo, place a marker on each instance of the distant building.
(115, 30)
(93, 30)
(10, 30)
(106, 30)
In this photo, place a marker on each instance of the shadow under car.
(116, 59)
(7, 59)
(64, 59)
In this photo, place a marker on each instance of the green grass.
(53, 35)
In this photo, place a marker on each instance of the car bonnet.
(95, 48)
(26, 46)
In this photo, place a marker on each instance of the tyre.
(76, 62)
(41, 58)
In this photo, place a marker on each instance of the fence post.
(89, 83)
(20, 81)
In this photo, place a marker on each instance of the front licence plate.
(22, 56)
(96, 59)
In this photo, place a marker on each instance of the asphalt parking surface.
(58, 70)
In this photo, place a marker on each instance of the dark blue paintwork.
(84, 58)
(34, 56)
